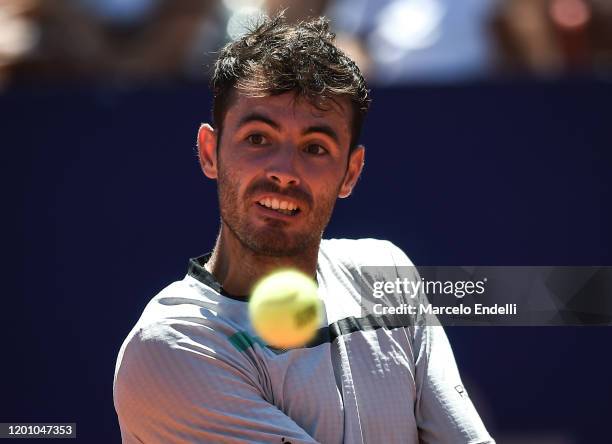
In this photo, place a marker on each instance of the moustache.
(266, 186)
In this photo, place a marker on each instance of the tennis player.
(288, 110)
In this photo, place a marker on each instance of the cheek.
(229, 182)
(326, 189)
(231, 168)
(241, 163)
(327, 176)
(234, 183)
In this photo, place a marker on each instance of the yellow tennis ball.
(285, 309)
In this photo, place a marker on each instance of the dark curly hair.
(276, 57)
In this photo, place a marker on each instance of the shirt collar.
(197, 271)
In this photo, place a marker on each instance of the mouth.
(283, 206)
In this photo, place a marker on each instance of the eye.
(315, 149)
(256, 139)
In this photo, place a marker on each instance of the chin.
(275, 243)
(276, 247)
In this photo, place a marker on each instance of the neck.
(238, 268)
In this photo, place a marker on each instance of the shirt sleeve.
(444, 411)
(171, 389)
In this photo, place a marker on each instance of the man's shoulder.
(186, 300)
(184, 315)
(363, 252)
(190, 300)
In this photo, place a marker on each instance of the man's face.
(281, 165)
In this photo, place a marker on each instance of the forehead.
(288, 109)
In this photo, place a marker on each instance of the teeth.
(281, 206)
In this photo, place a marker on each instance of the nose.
(282, 171)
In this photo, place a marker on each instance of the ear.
(355, 165)
(207, 150)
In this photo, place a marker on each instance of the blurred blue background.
(501, 156)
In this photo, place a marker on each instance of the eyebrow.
(323, 129)
(258, 117)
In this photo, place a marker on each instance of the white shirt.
(193, 371)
